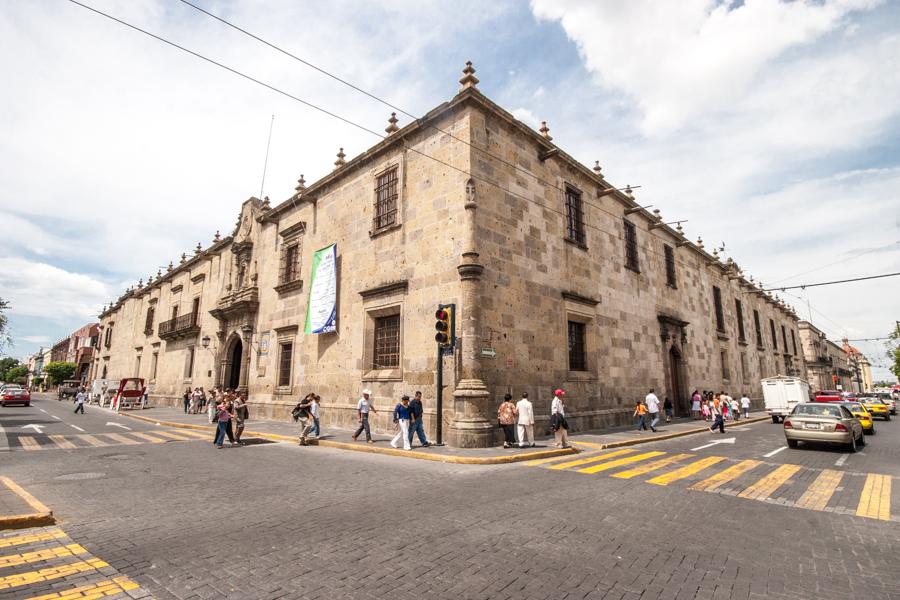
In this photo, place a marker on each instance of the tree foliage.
(5, 339)
(59, 371)
(5, 365)
(893, 352)
(17, 374)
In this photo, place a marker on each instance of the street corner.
(19, 509)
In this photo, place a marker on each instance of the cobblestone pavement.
(187, 521)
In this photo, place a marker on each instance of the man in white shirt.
(362, 410)
(652, 403)
(80, 398)
(745, 405)
(525, 424)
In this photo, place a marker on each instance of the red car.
(15, 395)
(829, 396)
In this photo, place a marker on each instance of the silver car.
(823, 422)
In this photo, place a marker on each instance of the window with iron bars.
(148, 323)
(574, 215)
(290, 262)
(577, 355)
(774, 335)
(720, 315)
(285, 357)
(387, 342)
(793, 343)
(784, 339)
(386, 199)
(631, 249)
(670, 266)
(739, 311)
(759, 338)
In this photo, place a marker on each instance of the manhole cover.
(79, 476)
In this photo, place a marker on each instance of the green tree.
(5, 365)
(5, 339)
(18, 374)
(36, 381)
(893, 352)
(59, 371)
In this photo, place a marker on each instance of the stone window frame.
(190, 360)
(718, 309)
(382, 301)
(575, 218)
(629, 237)
(107, 336)
(398, 164)
(154, 363)
(758, 327)
(580, 309)
(284, 336)
(774, 335)
(671, 277)
(291, 237)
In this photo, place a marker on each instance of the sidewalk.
(20, 509)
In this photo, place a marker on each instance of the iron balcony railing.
(182, 325)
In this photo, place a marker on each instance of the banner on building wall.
(321, 309)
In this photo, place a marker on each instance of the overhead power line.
(837, 262)
(809, 285)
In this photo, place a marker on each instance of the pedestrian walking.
(745, 405)
(640, 413)
(667, 407)
(194, 404)
(223, 424)
(240, 414)
(715, 410)
(211, 405)
(417, 423)
(202, 406)
(704, 409)
(186, 398)
(314, 415)
(507, 416)
(735, 409)
(525, 426)
(302, 415)
(695, 405)
(362, 410)
(652, 403)
(80, 399)
(558, 422)
(401, 418)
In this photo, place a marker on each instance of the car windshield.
(854, 407)
(817, 410)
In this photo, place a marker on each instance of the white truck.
(781, 394)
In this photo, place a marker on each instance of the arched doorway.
(233, 360)
(676, 393)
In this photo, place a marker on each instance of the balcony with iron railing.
(179, 327)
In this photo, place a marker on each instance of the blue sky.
(771, 126)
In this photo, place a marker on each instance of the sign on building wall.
(321, 310)
(264, 343)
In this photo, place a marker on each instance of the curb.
(460, 460)
(669, 436)
(41, 516)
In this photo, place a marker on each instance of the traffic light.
(834, 379)
(444, 325)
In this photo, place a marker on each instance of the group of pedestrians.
(228, 410)
(307, 414)
(648, 409)
(517, 421)
(194, 400)
(705, 405)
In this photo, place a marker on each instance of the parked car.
(865, 417)
(875, 406)
(15, 395)
(829, 396)
(823, 422)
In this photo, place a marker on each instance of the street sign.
(488, 352)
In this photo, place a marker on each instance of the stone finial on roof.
(545, 131)
(716, 254)
(198, 249)
(700, 242)
(392, 124)
(266, 205)
(340, 162)
(140, 282)
(170, 266)
(468, 80)
(597, 168)
(216, 238)
(158, 273)
(301, 185)
(679, 229)
(183, 258)
(629, 192)
(657, 214)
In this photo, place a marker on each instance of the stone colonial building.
(827, 365)
(559, 279)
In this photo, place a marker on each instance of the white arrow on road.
(724, 441)
(117, 425)
(37, 428)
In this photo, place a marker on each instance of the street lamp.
(204, 341)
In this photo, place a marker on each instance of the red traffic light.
(441, 314)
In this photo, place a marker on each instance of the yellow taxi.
(865, 417)
(876, 407)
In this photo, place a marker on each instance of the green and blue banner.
(321, 308)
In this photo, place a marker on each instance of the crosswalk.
(43, 563)
(861, 494)
(31, 443)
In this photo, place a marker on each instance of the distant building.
(859, 364)
(60, 351)
(827, 365)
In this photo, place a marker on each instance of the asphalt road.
(662, 520)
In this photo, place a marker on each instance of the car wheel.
(853, 447)
(862, 439)
(775, 419)
(887, 417)
(792, 443)
(872, 431)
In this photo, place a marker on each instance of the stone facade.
(548, 291)
(827, 365)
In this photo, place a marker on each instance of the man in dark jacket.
(417, 425)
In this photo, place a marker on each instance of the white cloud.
(37, 289)
(37, 339)
(526, 116)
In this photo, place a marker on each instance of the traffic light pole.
(439, 426)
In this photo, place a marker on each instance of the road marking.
(205, 436)
(818, 494)
(29, 443)
(37, 428)
(652, 466)
(32, 538)
(55, 417)
(713, 483)
(709, 445)
(50, 573)
(686, 471)
(619, 462)
(62, 442)
(589, 445)
(584, 461)
(148, 437)
(840, 462)
(43, 411)
(774, 452)
(530, 463)
(875, 501)
(174, 436)
(121, 438)
(767, 486)
(12, 560)
(108, 587)
(76, 427)
(92, 440)
(111, 424)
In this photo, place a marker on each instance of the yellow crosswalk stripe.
(148, 437)
(29, 443)
(766, 486)
(686, 471)
(546, 461)
(174, 436)
(875, 501)
(195, 434)
(713, 483)
(107, 587)
(32, 538)
(121, 438)
(50, 573)
(62, 442)
(92, 440)
(11, 560)
(596, 458)
(590, 445)
(619, 462)
(818, 494)
(652, 466)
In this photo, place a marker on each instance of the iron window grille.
(784, 339)
(670, 266)
(285, 357)
(631, 249)
(793, 342)
(189, 364)
(574, 215)
(759, 337)
(387, 342)
(386, 199)
(720, 315)
(148, 323)
(723, 355)
(774, 335)
(290, 263)
(739, 310)
(577, 355)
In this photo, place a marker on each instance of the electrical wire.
(809, 285)
(837, 262)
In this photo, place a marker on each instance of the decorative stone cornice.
(387, 288)
(575, 297)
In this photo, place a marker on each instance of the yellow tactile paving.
(148, 437)
(107, 587)
(767, 486)
(710, 484)
(591, 459)
(627, 460)
(31, 538)
(652, 466)
(875, 501)
(50, 573)
(820, 491)
(29, 443)
(93, 441)
(62, 442)
(121, 438)
(11, 560)
(686, 471)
